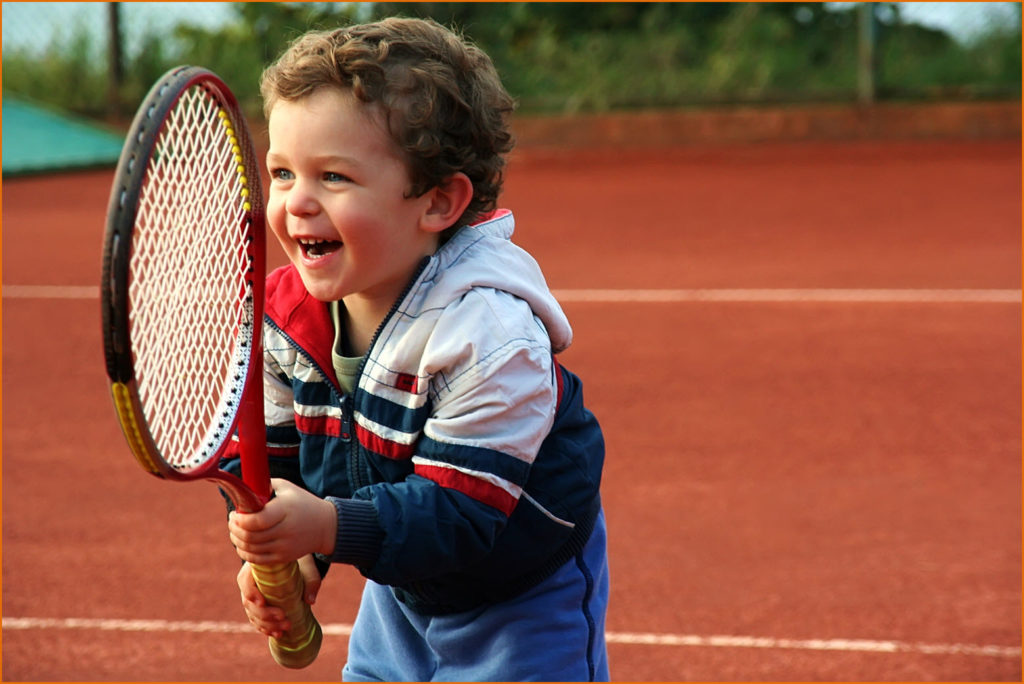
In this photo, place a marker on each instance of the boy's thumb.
(311, 579)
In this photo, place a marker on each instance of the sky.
(962, 20)
(35, 22)
(28, 22)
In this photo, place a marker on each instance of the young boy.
(421, 428)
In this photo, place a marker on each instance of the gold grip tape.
(128, 417)
(283, 587)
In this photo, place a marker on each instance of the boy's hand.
(293, 524)
(269, 620)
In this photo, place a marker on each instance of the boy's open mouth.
(314, 249)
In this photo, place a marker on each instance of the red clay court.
(807, 361)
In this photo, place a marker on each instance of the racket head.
(183, 273)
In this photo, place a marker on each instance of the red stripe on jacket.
(385, 447)
(473, 487)
(318, 425)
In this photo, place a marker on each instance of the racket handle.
(283, 587)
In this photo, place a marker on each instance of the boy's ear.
(449, 200)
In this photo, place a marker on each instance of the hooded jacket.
(464, 467)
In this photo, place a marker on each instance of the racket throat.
(242, 497)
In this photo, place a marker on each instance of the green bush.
(573, 57)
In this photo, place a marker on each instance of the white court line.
(50, 292)
(913, 296)
(668, 296)
(719, 641)
(867, 645)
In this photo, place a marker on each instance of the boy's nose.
(301, 201)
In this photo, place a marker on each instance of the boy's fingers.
(252, 522)
(310, 578)
(255, 547)
(274, 628)
(267, 619)
(260, 555)
(274, 618)
(254, 597)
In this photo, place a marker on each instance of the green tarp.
(38, 140)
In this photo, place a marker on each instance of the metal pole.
(115, 61)
(866, 60)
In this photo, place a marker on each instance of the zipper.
(358, 468)
(346, 430)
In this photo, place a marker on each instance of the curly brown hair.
(442, 98)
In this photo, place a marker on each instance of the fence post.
(115, 61)
(866, 60)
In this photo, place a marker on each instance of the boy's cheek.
(276, 224)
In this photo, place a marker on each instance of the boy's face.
(337, 199)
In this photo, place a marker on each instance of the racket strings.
(191, 312)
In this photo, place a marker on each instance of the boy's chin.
(325, 296)
(320, 290)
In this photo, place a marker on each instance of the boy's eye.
(332, 177)
(281, 174)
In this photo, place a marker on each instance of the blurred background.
(832, 488)
(97, 60)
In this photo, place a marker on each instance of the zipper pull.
(346, 425)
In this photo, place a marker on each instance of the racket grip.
(283, 587)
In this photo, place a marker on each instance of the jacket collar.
(301, 317)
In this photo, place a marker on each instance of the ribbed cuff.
(359, 535)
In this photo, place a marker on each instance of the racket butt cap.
(296, 659)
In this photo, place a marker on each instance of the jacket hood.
(483, 255)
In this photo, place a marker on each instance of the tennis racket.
(182, 307)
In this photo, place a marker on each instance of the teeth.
(316, 248)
